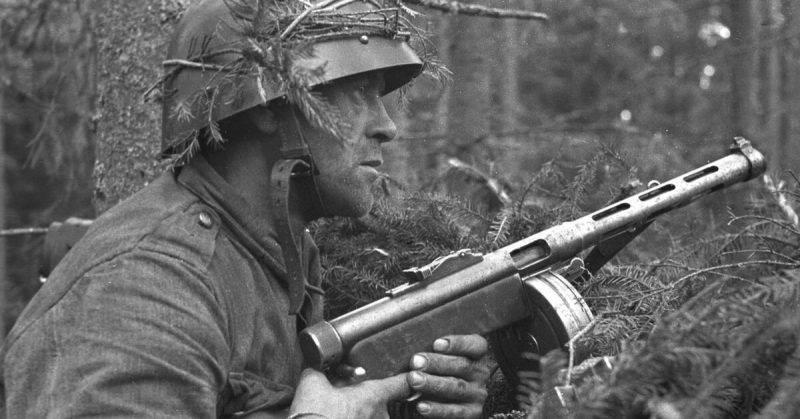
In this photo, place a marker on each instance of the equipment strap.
(295, 166)
(290, 246)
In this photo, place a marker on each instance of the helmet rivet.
(364, 39)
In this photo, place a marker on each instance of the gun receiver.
(467, 293)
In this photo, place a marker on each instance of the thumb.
(312, 378)
(390, 389)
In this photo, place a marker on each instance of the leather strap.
(296, 166)
(290, 245)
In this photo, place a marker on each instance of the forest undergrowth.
(696, 318)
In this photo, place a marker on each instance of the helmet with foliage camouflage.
(231, 55)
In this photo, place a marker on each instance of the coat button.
(205, 220)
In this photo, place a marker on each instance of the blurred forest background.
(659, 85)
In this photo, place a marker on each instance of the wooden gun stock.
(466, 293)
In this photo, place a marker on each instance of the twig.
(192, 64)
(303, 15)
(34, 144)
(23, 231)
(499, 230)
(794, 176)
(766, 251)
(571, 343)
(478, 10)
(784, 225)
(731, 265)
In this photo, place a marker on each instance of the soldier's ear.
(263, 118)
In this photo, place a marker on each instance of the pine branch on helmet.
(230, 55)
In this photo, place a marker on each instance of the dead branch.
(457, 7)
(23, 231)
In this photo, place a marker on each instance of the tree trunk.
(472, 58)
(790, 83)
(772, 86)
(744, 66)
(505, 79)
(4, 303)
(445, 46)
(131, 43)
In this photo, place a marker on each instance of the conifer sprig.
(281, 33)
(708, 329)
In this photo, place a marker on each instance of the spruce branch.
(754, 353)
(737, 265)
(788, 226)
(785, 404)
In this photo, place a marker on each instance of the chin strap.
(296, 166)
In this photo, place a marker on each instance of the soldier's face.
(347, 169)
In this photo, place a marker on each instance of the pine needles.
(707, 330)
(717, 342)
(274, 42)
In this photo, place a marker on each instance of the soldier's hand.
(452, 379)
(317, 397)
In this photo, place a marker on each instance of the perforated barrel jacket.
(173, 305)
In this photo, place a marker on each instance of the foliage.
(593, 61)
(44, 132)
(705, 330)
(363, 258)
(708, 331)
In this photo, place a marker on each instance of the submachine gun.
(525, 285)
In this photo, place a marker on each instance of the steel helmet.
(224, 60)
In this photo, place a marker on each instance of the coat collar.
(245, 222)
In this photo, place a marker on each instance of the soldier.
(186, 299)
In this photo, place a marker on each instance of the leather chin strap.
(297, 167)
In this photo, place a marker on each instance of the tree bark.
(473, 57)
(131, 43)
(790, 83)
(772, 86)
(445, 45)
(4, 303)
(505, 79)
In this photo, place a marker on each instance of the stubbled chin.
(351, 199)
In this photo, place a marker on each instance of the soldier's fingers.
(388, 389)
(452, 389)
(450, 365)
(471, 346)
(313, 378)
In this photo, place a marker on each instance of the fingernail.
(418, 362)
(441, 345)
(423, 408)
(416, 379)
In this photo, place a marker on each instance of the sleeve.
(140, 336)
